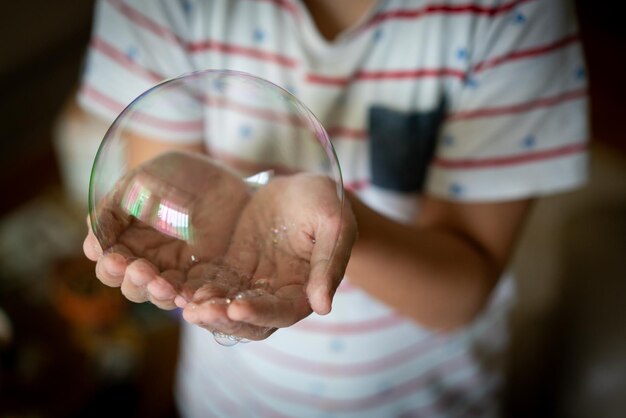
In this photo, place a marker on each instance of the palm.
(134, 220)
(264, 277)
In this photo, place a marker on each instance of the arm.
(141, 148)
(440, 271)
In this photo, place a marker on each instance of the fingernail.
(180, 301)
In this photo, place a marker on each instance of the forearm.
(433, 275)
(141, 149)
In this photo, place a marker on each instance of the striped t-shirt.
(480, 100)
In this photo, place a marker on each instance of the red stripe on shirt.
(285, 5)
(327, 80)
(102, 99)
(410, 74)
(395, 359)
(145, 22)
(346, 132)
(406, 14)
(123, 60)
(528, 53)
(117, 107)
(519, 107)
(225, 48)
(385, 75)
(469, 164)
(286, 117)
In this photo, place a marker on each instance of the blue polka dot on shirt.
(291, 89)
(462, 54)
(186, 6)
(581, 73)
(519, 18)
(336, 345)
(456, 189)
(219, 85)
(258, 35)
(448, 140)
(245, 131)
(378, 34)
(471, 82)
(529, 141)
(132, 52)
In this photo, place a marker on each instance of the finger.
(282, 309)
(110, 269)
(133, 293)
(166, 305)
(209, 291)
(180, 301)
(250, 332)
(136, 278)
(209, 310)
(160, 289)
(140, 272)
(91, 247)
(329, 258)
(210, 314)
(175, 280)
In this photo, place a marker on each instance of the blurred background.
(71, 347)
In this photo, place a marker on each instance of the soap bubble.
(195, 218)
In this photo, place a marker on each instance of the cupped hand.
(288, 255)
(183, 231)
(161, 220)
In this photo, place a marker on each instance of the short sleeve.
(517, 126)
(134, 46)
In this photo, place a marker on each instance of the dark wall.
(604, 39)
(41, 49)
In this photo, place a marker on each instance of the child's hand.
(150, 257)
(283, 252)
(260, 261)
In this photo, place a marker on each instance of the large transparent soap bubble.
(231, 222)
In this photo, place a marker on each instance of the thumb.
(331, 252)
